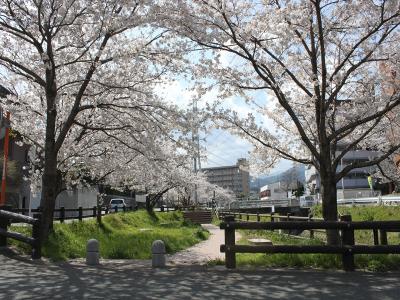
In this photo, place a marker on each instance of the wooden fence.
(272, 217)
(6, 217)
(347, 248)
(77, 213)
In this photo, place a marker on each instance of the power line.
(221, 158)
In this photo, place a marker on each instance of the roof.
(220, 168)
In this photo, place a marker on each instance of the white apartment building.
(353, 185)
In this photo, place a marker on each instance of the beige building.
(235, 178)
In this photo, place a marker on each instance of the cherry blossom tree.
(77, 67)
(161, 172)
(220, 196)
(317, 61)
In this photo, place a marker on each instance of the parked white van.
(119, 203)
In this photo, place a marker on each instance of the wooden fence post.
(99, 214)
(62, 214)
(123, 208)
(289, 231)
(311, 231)
(247, 217)
(347, 240)
(37, 246)
(116, 208)
(376, 239)
(3, 225)
(272, 219)
(94, 211)
(230, 257)
(258, 217)
(80, 213)
(383, 237)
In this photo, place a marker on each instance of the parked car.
(119, 203)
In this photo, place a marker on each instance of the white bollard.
(92, 252)
(158, 254)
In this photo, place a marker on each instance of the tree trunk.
(149, 207)
(329, 204)
(49, 179)
(49, 194)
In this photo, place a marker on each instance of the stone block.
(158, 254)
(92, 252)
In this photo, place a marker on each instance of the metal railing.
(380, 200)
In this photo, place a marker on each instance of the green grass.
(123, 236)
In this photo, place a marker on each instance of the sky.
(218, 147)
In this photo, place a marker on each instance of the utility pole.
(196, 143)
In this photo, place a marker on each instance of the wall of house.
(87, 197)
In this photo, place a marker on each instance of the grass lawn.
(124, 235)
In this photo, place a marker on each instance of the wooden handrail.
(339, 225)
(17, 236)
(222, 213)
(326, 249)
(5, 219)
(17, 217)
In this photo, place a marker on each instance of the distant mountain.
(296, 172)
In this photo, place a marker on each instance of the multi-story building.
(354, 184)
(235, 178)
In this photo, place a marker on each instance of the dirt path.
(204, 251)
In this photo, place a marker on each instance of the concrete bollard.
(158, 254)
(92, 252)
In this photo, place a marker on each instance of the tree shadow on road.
(137, 280)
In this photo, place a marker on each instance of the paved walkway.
(204, 251)
(20, 278)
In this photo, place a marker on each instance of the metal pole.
(195, 139)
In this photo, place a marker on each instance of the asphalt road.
(21, 278)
